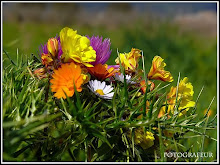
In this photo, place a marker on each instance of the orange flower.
(101, 72)
(143, 85)
(65, 78)
(157, 71)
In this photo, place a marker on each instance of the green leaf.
(24, 89)
(100, 136)
(17, 153)
(9, 58)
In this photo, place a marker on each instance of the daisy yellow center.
(99, 91)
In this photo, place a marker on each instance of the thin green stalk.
(203, 139)
(175, 107)
(146, 82)
(209, 107)
(163, 159)
(132, 140)
(195, 107)
(127, 145)
(151, 108)
(86, 150)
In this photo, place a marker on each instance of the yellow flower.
(145, 140)
(76, 47)
(157, 71)
(64, 79)
(129, 60)
(185, 95)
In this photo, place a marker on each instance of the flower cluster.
(75, 63)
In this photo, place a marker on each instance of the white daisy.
(120, 77)
(101, 89)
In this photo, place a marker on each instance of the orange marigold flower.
(157, 71)
(64, 79)
(101, 72)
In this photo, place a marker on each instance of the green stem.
(86, 150)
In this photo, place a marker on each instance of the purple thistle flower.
(102, 49)
(43, 48)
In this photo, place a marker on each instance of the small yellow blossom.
(157, 71)
(185, 93)
(76, 47)
(129, 60)
(145, 140)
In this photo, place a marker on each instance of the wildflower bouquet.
(70, 105)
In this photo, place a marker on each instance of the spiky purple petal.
(102, 49)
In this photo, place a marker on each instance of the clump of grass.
(39, 127)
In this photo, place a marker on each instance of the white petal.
(106, 89)
(95, 85)
(128, 77)
(111, 89)
(109, 95)
(102, 85)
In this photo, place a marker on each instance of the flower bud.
(46, 59)
(40, 73)
(52, 46)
